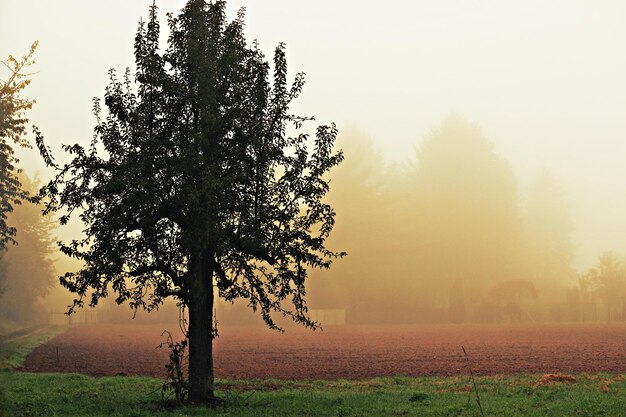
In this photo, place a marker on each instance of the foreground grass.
(28, 394)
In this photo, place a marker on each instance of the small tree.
(192, 183)
(12, 129)
(607, 280)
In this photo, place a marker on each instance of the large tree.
(201, 179)
(13, 122)
(466, 218)
(549, 226)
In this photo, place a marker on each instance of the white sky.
(545, 78)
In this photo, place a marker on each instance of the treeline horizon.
(445, 238)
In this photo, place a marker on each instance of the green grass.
(16, 345)
(28, 394)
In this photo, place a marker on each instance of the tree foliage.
(13, 122)
(198, 177)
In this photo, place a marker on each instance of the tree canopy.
(13, 122)
(199, 177)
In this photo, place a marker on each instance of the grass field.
(14, 346)
(40, 394)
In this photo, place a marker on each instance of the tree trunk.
(201, 331)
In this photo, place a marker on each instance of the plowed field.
(352, 352)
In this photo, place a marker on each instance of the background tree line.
(450, 237)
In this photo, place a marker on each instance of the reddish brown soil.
(347, 352)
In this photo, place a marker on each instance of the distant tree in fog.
(193, 184)
(607, 281)
(466, 215)
(27, 270)
(358, 196)
(3, 276)
(13, 122)
(548, 230)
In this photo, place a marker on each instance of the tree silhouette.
(193, 183)
(12, 129)
(466, 217)
(548, 226)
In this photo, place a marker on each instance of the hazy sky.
(544, 78)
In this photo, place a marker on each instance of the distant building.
(328, 317)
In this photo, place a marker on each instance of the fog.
(484, 176)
